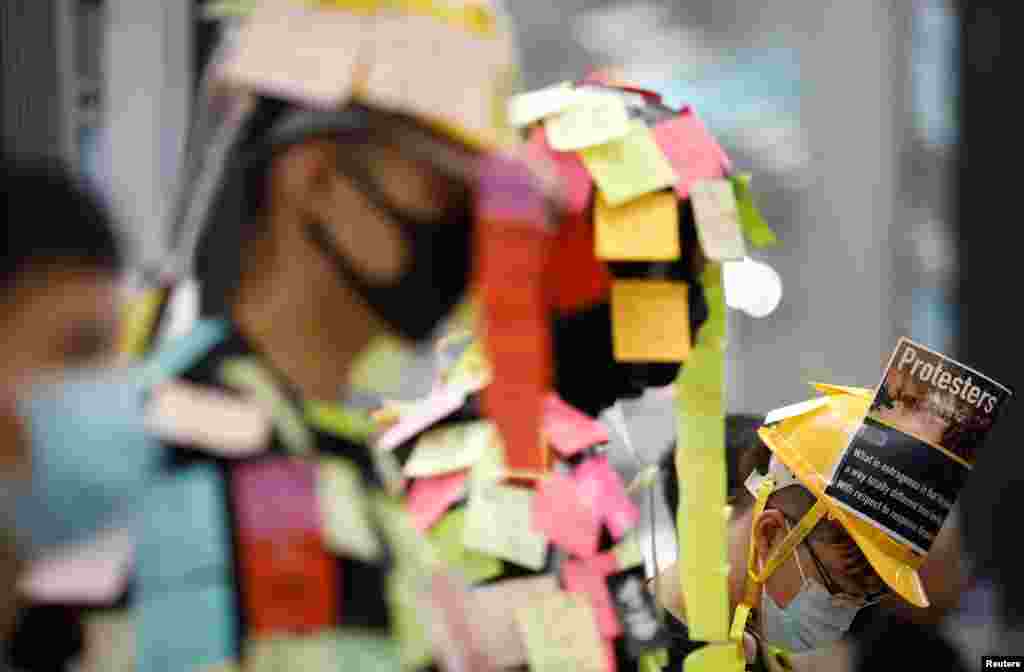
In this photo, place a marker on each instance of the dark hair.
(744, 452)
(51, 218)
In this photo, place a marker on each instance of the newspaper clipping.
(905, 466)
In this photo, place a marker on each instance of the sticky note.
(439, 405)
(490, 468)
(449, 448)
(756, 229)
(289, 581)
(447, 537)
(430, 497)
(650, 321)
(630, 166)
(281, 48)
(691, 150)
(496, 604)
(178, 354)
(643, 229)
(335, 419)
(570, 430)
(207, 419)
(331, 649)
(498, 522)
(560, 514)
(345, 510)
(185, 627)
(528, 108)
(89, 573)
(718, 220)
(592, 119)
(249, 376)
(588, 578)
(560, 635)
(599, 484)
(576, 182)
(726, 657)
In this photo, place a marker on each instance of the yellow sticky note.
(499, 523)
(644, 229)
(717, 216)
(345, 510)
(447, 537)
(630, 166)
(560, 632)
(592, 119)
(449, 448)
(650, 321)
(715, 658)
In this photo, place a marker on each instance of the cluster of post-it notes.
(499, 523)
(650, 321)
(570, 430)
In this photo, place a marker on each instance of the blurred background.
(846, 114)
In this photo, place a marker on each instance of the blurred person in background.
(58, 311)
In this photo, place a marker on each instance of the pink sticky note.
(599, 484)
(576, 181)
(564, 518)
(587, 578)
(609, 649)
(275, 496)
(568, 429)
(692, 151)
(440, 404)
(429, 498)
(94, 573)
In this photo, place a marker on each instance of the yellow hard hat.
(810, 443)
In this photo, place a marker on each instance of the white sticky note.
(593, 119)
(527, 108)
(499, 522)
(717, 217)
(449, 448)
(208, 419)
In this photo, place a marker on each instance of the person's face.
(52, 319)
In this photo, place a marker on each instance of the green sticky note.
(356, 426)
(701, 465)
(725, 657)
(248, 376)
(560, 632)
(499, 523)
(355, 650)
(449, 448)
(447, 538)
(380, 368)
(345, 510)
(754, 226)
(629, 166)
(490, 466)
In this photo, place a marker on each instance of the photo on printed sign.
(906, 464)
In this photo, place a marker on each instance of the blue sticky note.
(188, 627)
(178, 354)
(184, 529)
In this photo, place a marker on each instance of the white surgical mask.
(813, 619)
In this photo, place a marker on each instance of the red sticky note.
(289, 580)
(440, 404)
(691, 149)
(581, 576)
(429, 498)
(599, 483)
(577, 184)
(565, 519)
(569, 429)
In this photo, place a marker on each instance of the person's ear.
(769, 530)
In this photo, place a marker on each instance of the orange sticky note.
(644, 229)
(650, 321)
